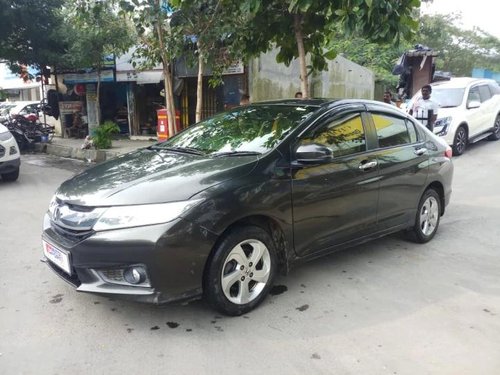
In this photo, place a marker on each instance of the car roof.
(323, 102)
(18, 106)
(461, 82)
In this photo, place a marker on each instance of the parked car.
(220, 208)
(24, 108)
(10, 157)
(469, 111)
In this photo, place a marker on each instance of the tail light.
(448, 153)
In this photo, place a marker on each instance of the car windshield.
(242, 130)
(447, 97)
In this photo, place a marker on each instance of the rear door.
(336, 201)
(402, 159)
(476, 117)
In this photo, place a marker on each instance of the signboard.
(72, 78)
(70, 107)
(237, 68)
(151, 76)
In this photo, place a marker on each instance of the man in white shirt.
(424, 109)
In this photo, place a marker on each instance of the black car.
(219, 209)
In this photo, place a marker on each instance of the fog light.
(12, 150)
(135, 275)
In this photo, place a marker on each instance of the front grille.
(71, 234)
(73, 279)
(2, 151)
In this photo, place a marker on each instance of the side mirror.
(473, 104)
(313, 154)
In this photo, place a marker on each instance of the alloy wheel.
(461, 140)
(429, 216)
(246, 271)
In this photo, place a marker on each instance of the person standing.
(388, 97)
(424, 109)
(245, 99)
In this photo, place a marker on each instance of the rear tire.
(427, 219)
(460, 141)
(495, 136)
(11, 176)
(241, 271)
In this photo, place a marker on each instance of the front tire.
(460, 141)
(427, 219)
(241, 270)
(495, 136)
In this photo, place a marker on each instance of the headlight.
(140, 215)
(443, 124)
(5, 136)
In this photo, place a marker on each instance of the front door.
(336, 201)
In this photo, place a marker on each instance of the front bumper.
(174, 255)
(10, 165)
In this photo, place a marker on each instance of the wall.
(485, 73)
(344, 79)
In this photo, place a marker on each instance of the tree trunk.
(98, 97)
(199, 90)
(297, 28)
(169, 98)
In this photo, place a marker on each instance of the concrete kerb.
(72, 148)
(74, 152)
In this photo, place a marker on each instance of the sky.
(480, 13)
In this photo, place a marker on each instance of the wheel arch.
(465, 125)
(271, 226)
(439, 188)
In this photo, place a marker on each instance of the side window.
(473, 95)
(391, 131)
(484, 93)
(494, 88)
(343, 134)
(412, 131)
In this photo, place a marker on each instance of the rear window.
(393, 131)
(494, 88)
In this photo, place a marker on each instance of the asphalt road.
(388, 307)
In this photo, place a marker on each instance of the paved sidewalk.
(71, 148)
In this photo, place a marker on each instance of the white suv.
(469, 110)
(10, 157)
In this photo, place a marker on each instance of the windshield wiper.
(184, 150)
(448, 106)
(236, 153)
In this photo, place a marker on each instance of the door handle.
(368, 165)
(420, 151)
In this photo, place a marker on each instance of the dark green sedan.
(218, 210)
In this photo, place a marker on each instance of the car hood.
(151, 176)
(447, 112)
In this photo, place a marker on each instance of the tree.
(210, 24)
(95, 30)
(301, 27)
(29, 33)
(157, 43)
(459, 50)
(379, 57)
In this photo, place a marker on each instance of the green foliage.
(94, 29)
(103, 134)
(379, 57)
(211, 24)
(29, 32)
(321, 21)
(460, 50)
